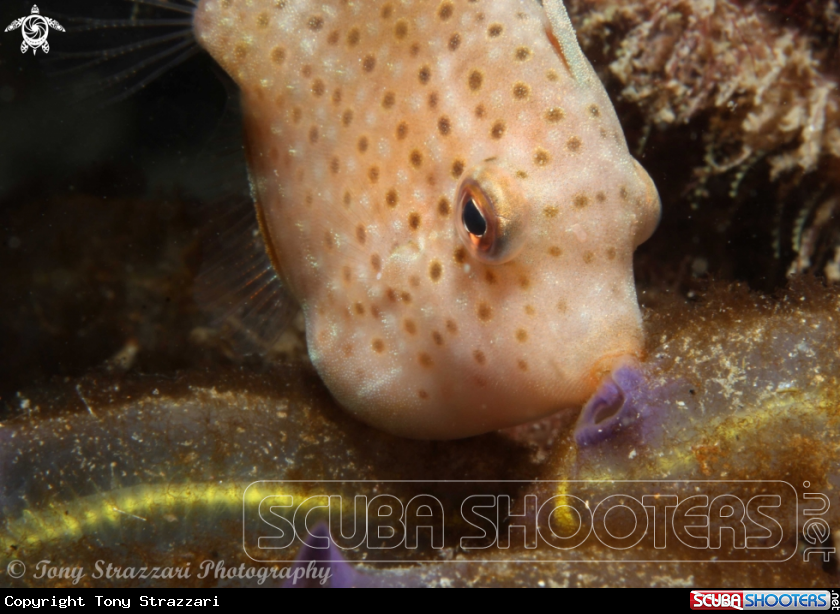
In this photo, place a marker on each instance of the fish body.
(446, 190)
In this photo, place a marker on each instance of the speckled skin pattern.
(370, 126)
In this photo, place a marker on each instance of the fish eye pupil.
(474, 222)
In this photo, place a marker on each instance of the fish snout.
(648, 205)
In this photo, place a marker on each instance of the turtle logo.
(35, 28)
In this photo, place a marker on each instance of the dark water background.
(56, 139)
(101, 199)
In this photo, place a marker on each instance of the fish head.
(446, 189)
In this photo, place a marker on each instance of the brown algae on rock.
(747, 93)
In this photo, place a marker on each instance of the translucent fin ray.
(238, 286)
(135, 48)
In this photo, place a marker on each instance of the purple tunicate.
(327, 562)
(616, 404)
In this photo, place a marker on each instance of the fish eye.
(473, 220)
(476, 220)
(490, 217)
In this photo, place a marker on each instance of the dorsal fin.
(564, 33)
